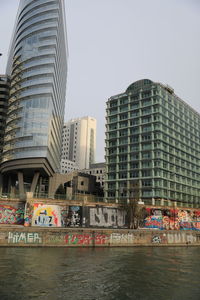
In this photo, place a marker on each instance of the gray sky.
(113, 43)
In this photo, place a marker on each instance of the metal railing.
(88, 198)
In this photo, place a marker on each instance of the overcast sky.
(113, 43)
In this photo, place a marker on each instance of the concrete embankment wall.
(60, 213)
(33, 237)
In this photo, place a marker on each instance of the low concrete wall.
(62, 237)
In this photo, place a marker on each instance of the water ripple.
(100, 274)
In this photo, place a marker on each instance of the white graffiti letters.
(118, 238)
(24, 237)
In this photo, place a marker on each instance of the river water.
(145, 273)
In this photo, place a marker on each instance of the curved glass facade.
(4, 94)
(38, 69)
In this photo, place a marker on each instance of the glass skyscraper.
(152, 147)
(4, 94)
(37, 67)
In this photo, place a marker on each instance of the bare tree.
(135, 212)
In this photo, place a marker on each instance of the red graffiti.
(78, 239)
(55, 218)
(85, 239)
(100, 239)
(153, 223)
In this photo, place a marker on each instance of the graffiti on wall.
(172, 219)
(11, 215)
(156, 239)
(28, 214)
(121, 238)
(46, 215)
(106, 217)
(181, 238)
(24, 237)
(64, 216)
(74, 216)
(86, 239)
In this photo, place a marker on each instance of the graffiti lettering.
(24, 237)
(100, 239)
(180, 238)
(121, 238)
(106, 217)
(80, 239)
(172, 219)
(46, 215)
(85, 239)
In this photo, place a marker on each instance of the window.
(146, 182)
(146, 173)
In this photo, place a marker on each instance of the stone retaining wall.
(31, 237)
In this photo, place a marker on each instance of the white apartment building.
(68, 166)
(79, 142)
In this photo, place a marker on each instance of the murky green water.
(102, 273)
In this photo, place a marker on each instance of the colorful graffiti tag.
(172, 219)
(46, 215)
(86, 239)
(24, 237)
(11, 215)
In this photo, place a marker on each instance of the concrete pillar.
(9, 185)
(69, 193)
(21, 185)
(1, 183)
(34, 181)
(12, 191)
(153, 201)
(50, 188)
(40, 184)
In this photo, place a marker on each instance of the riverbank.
(19, 236)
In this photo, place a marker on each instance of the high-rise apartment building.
(79, 142)
(38, 69)
(4, 94)
(152, 146)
